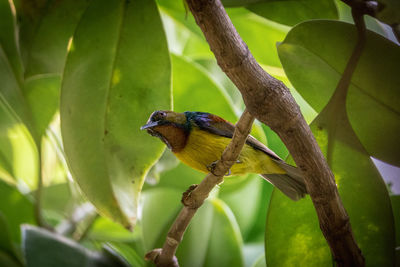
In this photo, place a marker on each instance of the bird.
(198, 139)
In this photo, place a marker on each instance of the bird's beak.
(149, 125)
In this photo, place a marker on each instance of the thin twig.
(195, 196)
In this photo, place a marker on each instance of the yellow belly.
(204, 148)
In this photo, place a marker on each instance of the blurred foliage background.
(81, 185)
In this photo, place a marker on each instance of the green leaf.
(42, 93)
(390, 14)
(294, 11)
(117, 73)
(103, 229)
(212, 228)
(8, 38)
(373, 97)
(260, 35)
(194, 89)
(224, 234)
(16, 208)
(18, 154)
(54, 24)
(237, 3)
(44, 248)
(57, 203)
(193, 250)
(252, 252)
(7, 260)
(10, 91)
(370, 22)
(166, 162)
(56, 197)
(180, 177)
(260, 262)
(246, 212)
(396, 214)
(160, 207)
(177, 10)
(15, 139)
(127, 253)
(293, 232)
(6, 244)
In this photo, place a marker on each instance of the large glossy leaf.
(292, 227)
(117, 73)
(16, 208)
(294, 11)
(53, 23)
(314, 68)
(371, 218)
(44, 248)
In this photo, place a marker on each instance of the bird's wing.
(251, 141)
(216, 125)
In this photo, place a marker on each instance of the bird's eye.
(158, 115)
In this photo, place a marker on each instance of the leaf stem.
(39, 190)
(39, 193)
(343, 85)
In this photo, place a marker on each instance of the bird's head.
(171, 127)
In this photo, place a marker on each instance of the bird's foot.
(211, 168)
(186, 194)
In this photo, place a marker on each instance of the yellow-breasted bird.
(198, 140)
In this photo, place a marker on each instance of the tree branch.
(194, 197)
(270, 101)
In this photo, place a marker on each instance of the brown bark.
(270, 101)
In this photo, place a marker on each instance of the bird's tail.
(291, 183)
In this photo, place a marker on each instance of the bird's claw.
(186, 194)
(211, 168)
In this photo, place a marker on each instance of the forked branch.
(270, 101)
